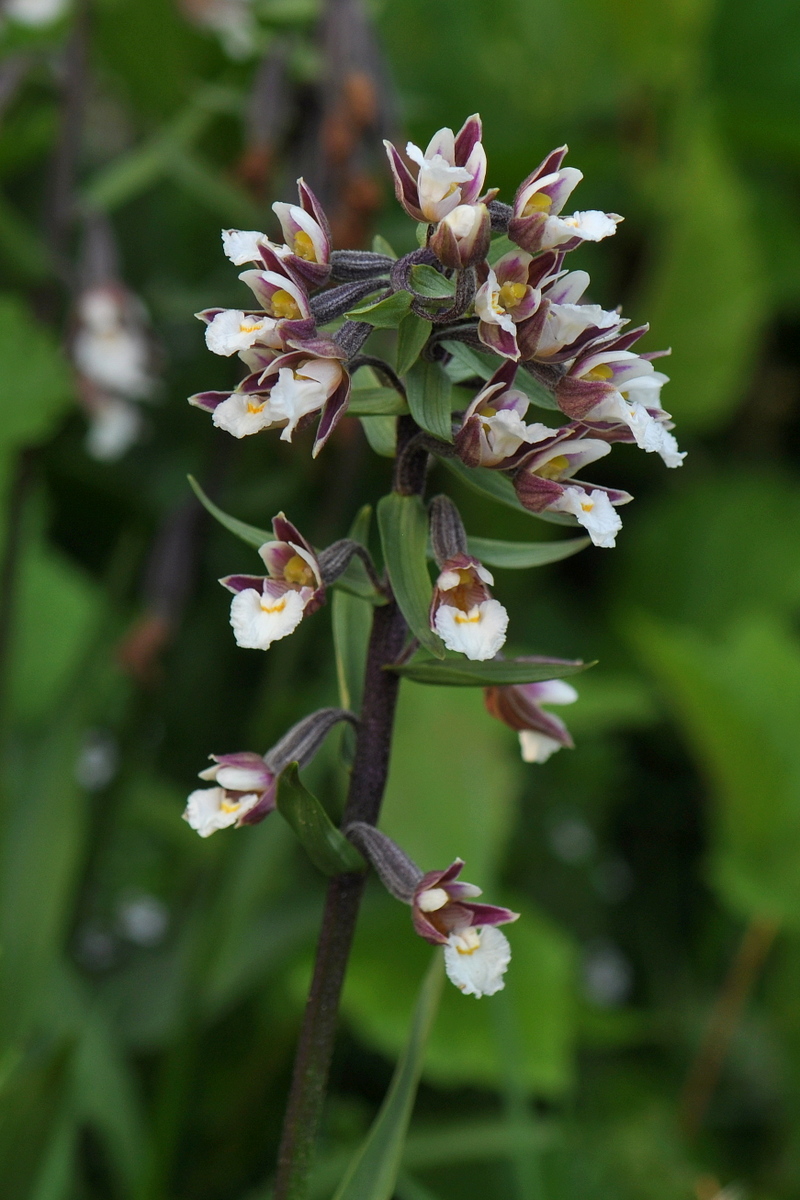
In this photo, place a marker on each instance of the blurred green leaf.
(351, 625)
(373, 1172)
(381, 433)
(519, 555)
(705, 295)
(412, 335)
(737, 700)
(35, 381)
(383, 314)
(403, 525)
(381, 246)
(428, 391)
(456, 672)
(328, 849)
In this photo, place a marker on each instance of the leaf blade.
(373, 1172)
(520, 555)
(412, 335)
(500, 488)
(383, 314)
(326, 846)
(246, 533)
(403, 525)
(458, 673)
(428, 390)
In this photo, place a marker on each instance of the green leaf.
(381, 433)
(248, 533)
(411, 337)
(466, 362)
(500, 488)
(500, 245)
(536, 392)
(403, 525)
(384, 314)
(328, 848)
(428, 391)
(373, 1172)
(430, 282)
(457, 672)
(351, 625)
(376, 402)
(381, 246)
(518, 555)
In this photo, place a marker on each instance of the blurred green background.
(151, 983)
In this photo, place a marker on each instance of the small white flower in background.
(97, 761)
(231, 20)
(463, 612)
(143, 920)
(477, 959)
(110, 346)
(114, 426)
(34, 12)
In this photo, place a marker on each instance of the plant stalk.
(367, 785)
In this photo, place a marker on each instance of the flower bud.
(462, 238)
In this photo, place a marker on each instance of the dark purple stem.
(367, 784)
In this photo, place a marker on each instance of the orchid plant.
(489, 322)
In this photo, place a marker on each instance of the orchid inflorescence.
(485, 304)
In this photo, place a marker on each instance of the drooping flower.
(307, 235)
(451, 172)
(614, 386)
(266, 609)
(290, 390)
(545, 483)
(476, 954)
(244, 793)
(462, 238)
(509, 296)
(536, 224)
(493, 429)
(519, 706)
(463, 612)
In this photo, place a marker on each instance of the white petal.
(241, 245)
(479, 971)
(233, 330)
(240, 779)
(260, 620)
(555, 691)
(478, 633)
(506, 431)
(242, 415)
(35, 12)
(208, 809)
(595, 513)
(590, 226)
(292, 398)
(536, 747)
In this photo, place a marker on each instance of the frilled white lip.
(536, 747)
(595, 513)
(478, 633)
(210, 809)
(259, 619)
(233, 330)
(590, 226)
(298, 393)
(242, 415)
(477, 969)
(242, 245)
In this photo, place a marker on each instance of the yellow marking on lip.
(228, 807)
(466, 619)
(588, 507)
(255, 408)
(273, 608)
(249, 328)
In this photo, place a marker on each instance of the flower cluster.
(493, 307)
